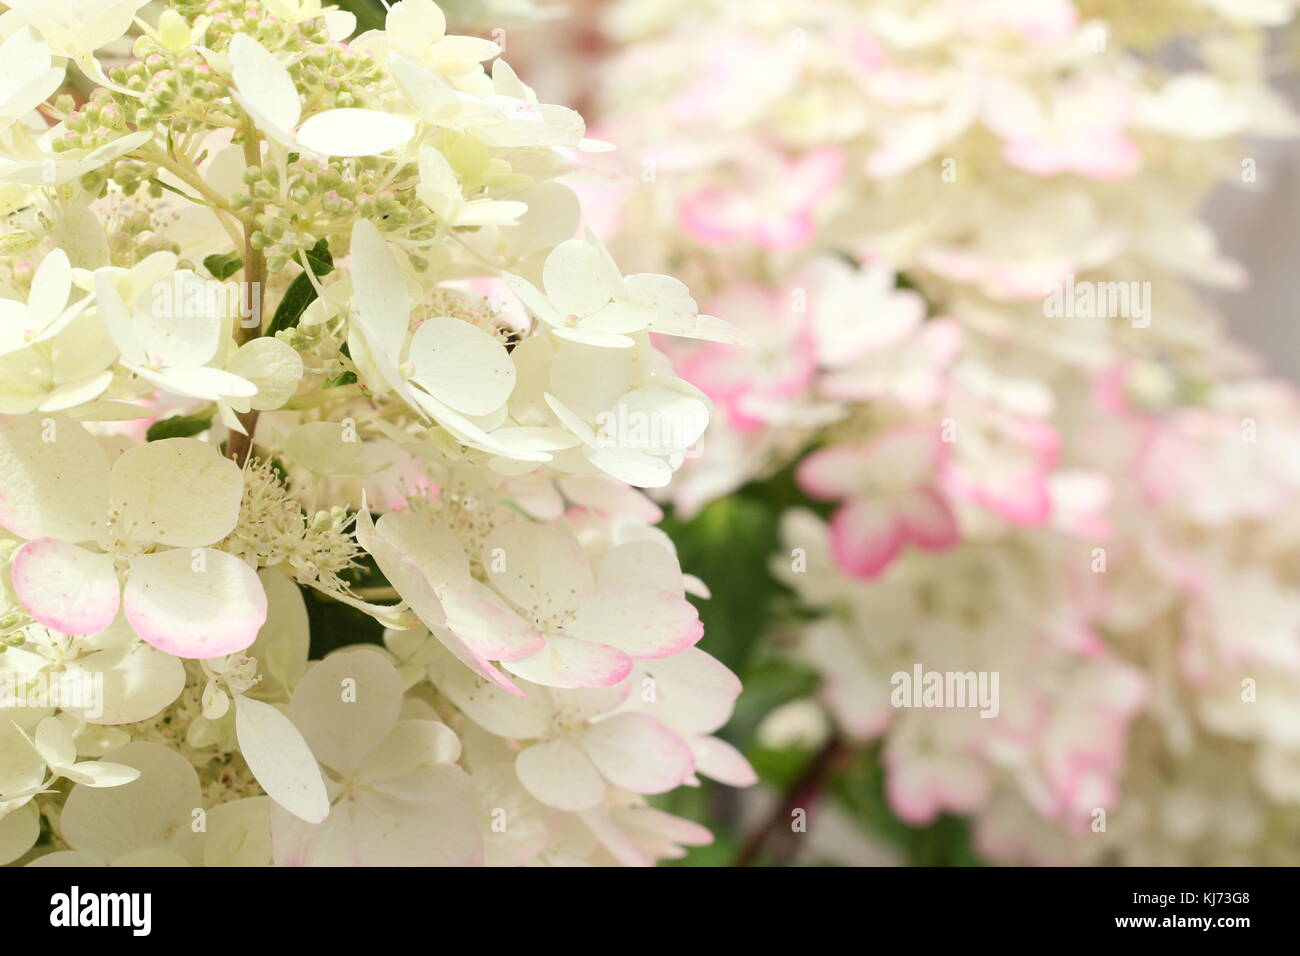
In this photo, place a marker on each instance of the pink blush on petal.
(65, 587)
(864, 539)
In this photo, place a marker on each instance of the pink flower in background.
(1081, 131)
(774, 209)
(752, 385)
(890, 497)
(934, 765)
(1004, 463)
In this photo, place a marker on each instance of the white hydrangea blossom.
(292, 319)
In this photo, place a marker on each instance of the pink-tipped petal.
(636, 752)
(640, 621)
(195, 603)
(566, 662)
(865, 537)
(65, 587)
(831, 474)
(927, 521)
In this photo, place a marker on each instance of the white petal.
(354, 132)
(65, 587)
(439, 188)
(636, 752)
(53, 479)
(51, 285)
(720, 761)
(346, 705)
(639, 620)
(101, 773)
(461, 365)
(204, 382)
(282, 644)
(484, 622)
(271, 365)
(637, 468)
(265, 87)
(694, 692)
(578, 279)
(139, 680)
(379, 289)
(533, 299)
(156, 489)
(402, 573)
(178, 322)
(492, 708)
(111, 822)
(666, 297)
(280, 759)
(559, 775)
(541, 568)
(239, 833)
(199, 605)
(54, 743)
(565, 662)
(411, 745)
(18, 832)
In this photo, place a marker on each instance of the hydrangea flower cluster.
(962, 235)
(321, 434)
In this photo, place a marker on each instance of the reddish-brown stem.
(802, 794)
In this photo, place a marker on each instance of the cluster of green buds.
(311, 199)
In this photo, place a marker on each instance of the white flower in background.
(140, 516)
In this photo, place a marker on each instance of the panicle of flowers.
(298, 340)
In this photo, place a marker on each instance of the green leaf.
(180, 426)
(369, 13)
(223, 266)
(343, 378)
(728, 545)
(301, 292)
(334, 625)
